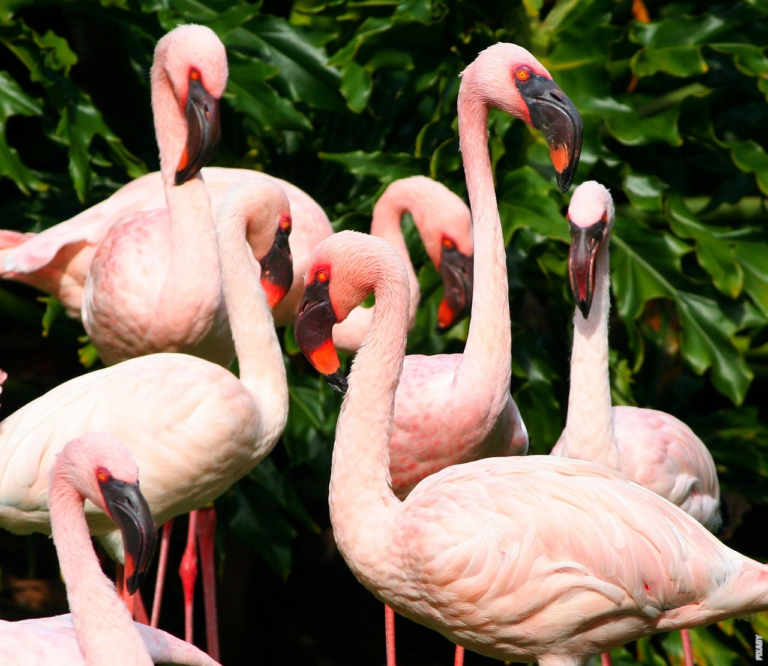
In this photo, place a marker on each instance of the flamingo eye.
(194, 74)
(321, 275)
(448, 244)
(103, 475)
(285, 224)
(523, 74)
(605, 217)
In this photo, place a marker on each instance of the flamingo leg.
(188, 573)
(458, 660)
(162, 566)
(687, 649)
(605, 659)
(206, 537)
(139, 610)
(389, 634)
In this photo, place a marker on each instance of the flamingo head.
(193, 60)
(107, 474)
(456, 270)
(591, 216)
(444, 223)
(344, 269)
(510, 78)
(262, 207)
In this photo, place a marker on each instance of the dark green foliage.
(343, 97)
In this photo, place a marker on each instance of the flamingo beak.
(277, 269)
(203, 131)
(556, 117)
(313, 332)
(585, 242)
(456, 269)
(127, 507)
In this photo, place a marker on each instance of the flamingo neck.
(387, 224)
(260, 358)
(170, 121)
(487, 359)
(589, 431)
(102, 623)
(361, 500)
(192, 282)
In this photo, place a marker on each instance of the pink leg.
(188, 573)
(162, 565)
(206, 537)
(687, 649)
(458, 660)
(139, 610)
(605, 659)
(389, 634)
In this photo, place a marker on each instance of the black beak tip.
(565, 178)
(584, 306)
(338, 382)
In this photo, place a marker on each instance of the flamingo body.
(189, 424)
(192, 426)
(53, 640)
(663, 454)
(434, 427)
(524, 559)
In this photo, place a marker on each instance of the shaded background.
(343, 97)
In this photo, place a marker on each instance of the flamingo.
(445, 226)
(97, 467)
(522, 559)
(192, 426)
(466, 394)
(653, 448)
(140, 268)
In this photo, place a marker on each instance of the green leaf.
(356, 86)
(675, 60)
(385, 167)
(525, 201)
(645, 191)
(750, 157)
(715, 253)
(13, 100)
(53, 308)
(645, 266)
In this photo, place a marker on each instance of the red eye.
(103, 475)
(321, 275)
(285, 224)
(194, 75)
(523, 74)
(448, 244)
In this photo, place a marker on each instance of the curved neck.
(191, 280)
(588, 433)
(102, 623)
(260, 358)
(488, 352)
(361, 497)
(387, 224)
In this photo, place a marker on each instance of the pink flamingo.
(445, 226)
(653, 448)
(148, 251)
(99, 468)
(193, 427)
(521, 558)
(466, 394)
